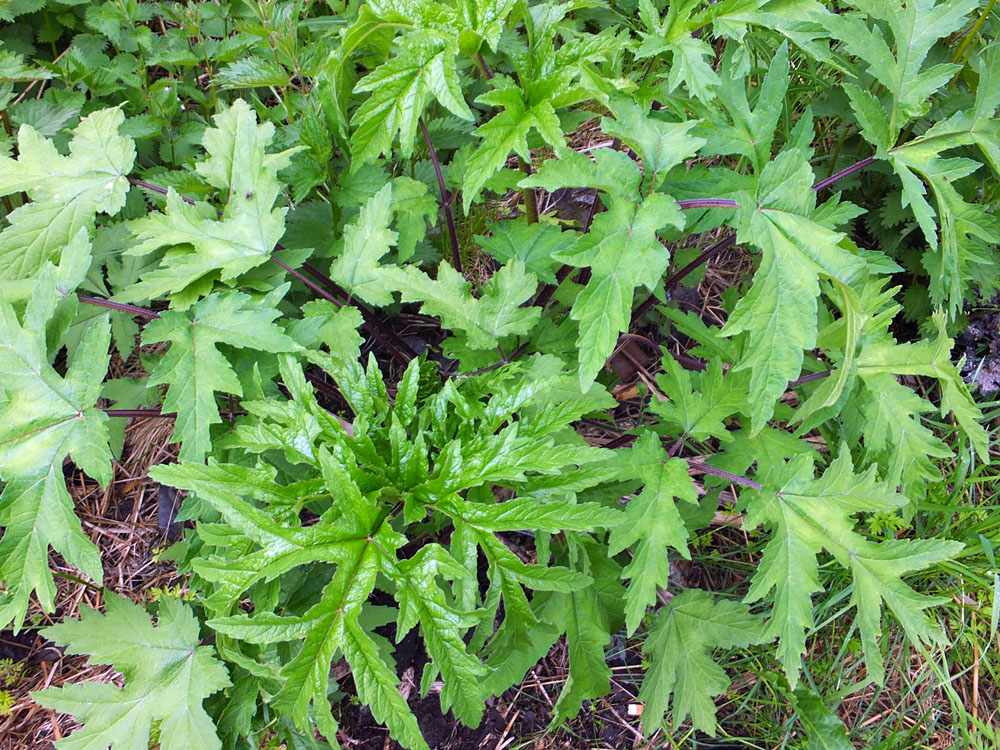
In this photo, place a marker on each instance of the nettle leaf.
(65, 192)
(809, 515)
(167, 676)
(399, 90)
(193, 367)
(622, 248)
(484, 321)
(684, 630)
(44, 418)
(202, 241)
(651, 523)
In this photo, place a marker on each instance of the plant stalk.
(530, 199)
(456, 253)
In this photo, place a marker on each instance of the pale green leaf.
(684, 630)
(194, 368)
(651, 523)
(65, 192)
(45, 418)
(167, 676)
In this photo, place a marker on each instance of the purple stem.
(810, 378)
(456, 255)
(856, 167)
(734, 478)
(119, 306)
(708, 203)
(153, 413)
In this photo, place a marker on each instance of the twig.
(856, 167)
(708, 203)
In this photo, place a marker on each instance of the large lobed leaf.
(167, 676)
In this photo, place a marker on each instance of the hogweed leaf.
(65, 192)
(697, 402)
(651, 523)
(421, 599)
(810, 515)
(483, 321)
(204, 242)
(505, 133)
(684, 630)
(399, 90)
(194, 368)
(779, 312)
(167, 676)
(622, 248)
(915, 26)
(661, 145)
(43, 419)
(367, 239)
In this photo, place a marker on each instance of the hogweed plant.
(244, 196)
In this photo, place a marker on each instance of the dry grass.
(122, 522)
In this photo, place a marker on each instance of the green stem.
(958, 57)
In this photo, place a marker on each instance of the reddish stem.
(456, 254)
(119, 306)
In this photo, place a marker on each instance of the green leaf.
(399, 90)
(808, 515)
(916, 26)
(194, 368)
(588, 616)
(65, 192)
(825, 730)
(533, 244)
(779, 312)
(752, 132)
(421, 599)
(661, 145)
(697, 402)
(684, 630)
(366, 240)
(203, 242)
(932, 359)
(45, 417)
(621, 249)
(483, 321)
(651, 523)
(507, 132)
(167, 676)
